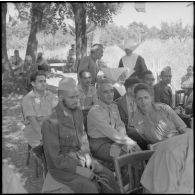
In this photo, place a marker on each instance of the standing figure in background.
(162, 90)
(16, 62)
(134, 62)
(28, 69)
(89, 63)
(71, 59)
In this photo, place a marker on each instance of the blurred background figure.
(162, 90)
(71, 59)
(41, 62)
(187, 81)
(134, 62)
(16, 62)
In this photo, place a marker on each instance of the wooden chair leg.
(28, 155)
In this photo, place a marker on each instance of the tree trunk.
(80, 28)
(5, 61)
(37, 13)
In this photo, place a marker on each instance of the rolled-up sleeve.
(52, 151)
(97, 122)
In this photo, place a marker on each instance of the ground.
(14, 146)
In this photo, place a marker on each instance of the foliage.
(113, 34)
(137, 31)
(101, 13)
(175, 30)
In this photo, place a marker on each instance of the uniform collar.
(63, 109)
(105, 106)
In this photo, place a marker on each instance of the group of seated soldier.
(20, 67)
(83, 127)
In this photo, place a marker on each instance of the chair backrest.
(180, 97)
(136, 163)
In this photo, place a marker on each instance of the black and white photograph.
(97, 97)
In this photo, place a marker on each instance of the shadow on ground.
(14, 146)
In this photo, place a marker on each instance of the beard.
(70, 108)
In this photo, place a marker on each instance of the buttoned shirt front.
(163, 122)
(104, 121)
(87, 99)
(40, 108)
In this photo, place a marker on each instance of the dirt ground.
(14, 146)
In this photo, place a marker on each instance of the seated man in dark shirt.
(163, 92)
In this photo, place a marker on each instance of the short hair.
(146, 73)
(103, 80)
(131, 81)
(166, 69)
(34, 75)
(142, 86)
(81, 73)
(95, 47)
